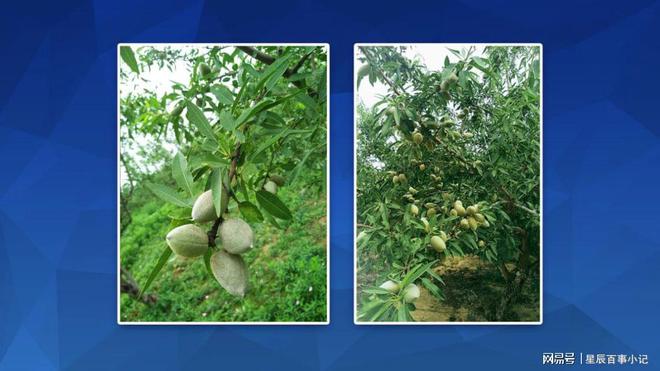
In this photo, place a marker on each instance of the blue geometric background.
(58, 200)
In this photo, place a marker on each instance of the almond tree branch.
(385, 78)
(267, 59)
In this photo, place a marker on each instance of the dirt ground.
(472, 291)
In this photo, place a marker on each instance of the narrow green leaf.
(227, 121)
(216, 189)
(224, 95)
(272, 221)
(260, 107)
(277, 73)
(156, 269)
(197, 118)
(182, 174)
(273, 72)
(273, 205)
(250, 212)
(128, 57)
(402, 314)
(168, 194)
(207, 261)
(308, 102)
(268, 143)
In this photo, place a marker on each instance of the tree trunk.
(515, 281)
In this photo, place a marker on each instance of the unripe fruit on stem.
(414, 210)
(417, 138)
(480, 217)
(177, 110)
(482, 243)
(188, 240)
(236, 236)
(453, 212)
(458, 203)
(271, 187)
(431, 213)
(203, 210)
(402, 178)
(422, 167)
(395, 179)
(363, 70)
(204, 69)
(411, 293)
(473, 223)
(486, 224)
(460, 210)
(390, 286)
(429, 205)
(427, 226)
(278, 179)
(443, 235)
(438, 244)
(471, 210)
(465, 224)
(230, 271)
(412, 190)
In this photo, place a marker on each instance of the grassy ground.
(287, 269)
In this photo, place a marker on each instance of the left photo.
(223, 173)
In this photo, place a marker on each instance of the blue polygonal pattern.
(58, 185)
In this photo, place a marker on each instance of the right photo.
(448, 172)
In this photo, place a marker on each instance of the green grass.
(287, 269)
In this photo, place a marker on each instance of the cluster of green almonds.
(401, 178)
(235, 237)
(472, 218)
(410, 292)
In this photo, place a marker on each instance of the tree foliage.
(468, 133)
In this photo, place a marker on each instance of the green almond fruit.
(177, 110)
(411, 293)
(278, 179)
(417, 138)
(204, 69)
(438, 244)
(236, 236)
(464, 223)
(472, 223)
(188, 240)
(203, 210)
(271, 187)
(414, 210)
(390, 286)
(231, 272)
